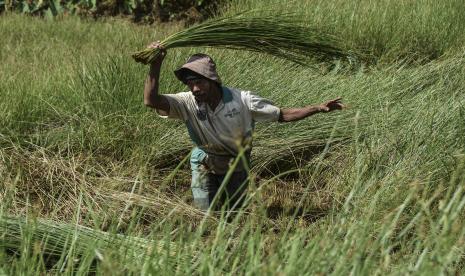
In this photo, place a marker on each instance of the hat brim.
(191, 69)
(184, 74)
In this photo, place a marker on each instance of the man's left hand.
(332, 105)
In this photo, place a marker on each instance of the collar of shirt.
(226, 98)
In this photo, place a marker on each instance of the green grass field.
(92, 181)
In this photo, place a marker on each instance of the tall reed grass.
(86, 172)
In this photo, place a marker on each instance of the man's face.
(200, 88)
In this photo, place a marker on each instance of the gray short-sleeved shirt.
(222, 130)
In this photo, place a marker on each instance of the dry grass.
(55, 187)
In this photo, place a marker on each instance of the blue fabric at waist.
(198, 155)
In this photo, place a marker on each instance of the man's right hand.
(159, 59)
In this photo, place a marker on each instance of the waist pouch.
(220, 164)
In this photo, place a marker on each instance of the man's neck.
(215, 98)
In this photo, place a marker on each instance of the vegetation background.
(141, 11)
(92, 181)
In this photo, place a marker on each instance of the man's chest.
(226, 119)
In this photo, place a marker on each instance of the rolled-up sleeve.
(262, 110)
(178, 107)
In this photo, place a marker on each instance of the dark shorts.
(205, 186)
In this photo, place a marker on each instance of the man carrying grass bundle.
(220, 122)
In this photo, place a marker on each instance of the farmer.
(220, 121)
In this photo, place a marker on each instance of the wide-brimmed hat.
(200, 64)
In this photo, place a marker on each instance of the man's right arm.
(152, 98)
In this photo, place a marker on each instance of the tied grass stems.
(285, 37)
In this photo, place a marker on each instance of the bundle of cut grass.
(285, 37)
(62, 239)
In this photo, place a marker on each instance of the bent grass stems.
(70, 241)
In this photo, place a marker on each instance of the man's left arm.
(295, 114)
